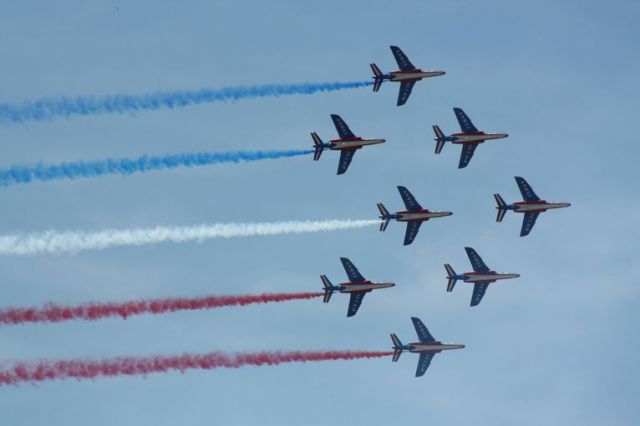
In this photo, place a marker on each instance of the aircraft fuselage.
(412, 75)
(418, 347)
(365, 286)
(419, 215)
(475, 137)
(357, 143)
(487, 276)
(537, 206)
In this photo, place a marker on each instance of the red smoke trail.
(23, 372)
(93, 311)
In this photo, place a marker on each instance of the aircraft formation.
(414, 214)
(469, 138)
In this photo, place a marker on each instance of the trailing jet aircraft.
(469, 138)
(357, 286)
(407, 75)
(347, 144)
(427, 346)
(532, 206)
(481, 276)
(414, 215)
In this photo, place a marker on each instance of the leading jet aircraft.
(407, 75)
(414, 215)
(348, 143)
(532, 206)
(469, 138)
(427, 346)
(481, 276)
(357, 286)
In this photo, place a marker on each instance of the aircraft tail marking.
(502, 207)
(440, 139)
(451, 275)
(397, 347)
(328, 288)
(318, 145)
(377, 77)
(384, 214)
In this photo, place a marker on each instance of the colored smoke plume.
(127, 166)
(66, 107)
(94, 311)
(54, 242)
(31, 372)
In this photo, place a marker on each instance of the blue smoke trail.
(124, 166)
(50, 108)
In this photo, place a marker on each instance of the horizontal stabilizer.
(397, 347)
(502, 207)
(318, 146)
(328, 288)
(439, 139)
(383, 225)
(451, 275)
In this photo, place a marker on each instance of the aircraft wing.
(478, 292)
(412, 231)
(405, 91)
(345, 159)
(352, 272)
(409, 201)
(343, 130)
(525, 189)
(465, 156)
(527, 223)
(354, 303)
(476, 261)
(465, 122)
(423, 363)
(403, 62)
(422, 331)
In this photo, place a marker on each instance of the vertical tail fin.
(397, 347)
(328, 288)
(439, 139)
(318, 145)
(502, 207)
(451, 275)
(384, 215)
(377, 77)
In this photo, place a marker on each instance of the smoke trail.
(124, 166)
(25, 372)
(73, 242)
(94, 311)
(50, 108)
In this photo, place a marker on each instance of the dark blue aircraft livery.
(481, 276)
(357, 286)
(532, 206)
(427, 346)
(347, 144)
(469, 137)
(414, 215)
(407, 75)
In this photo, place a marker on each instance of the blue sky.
(557, 346)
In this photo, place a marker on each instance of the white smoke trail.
(54, 242)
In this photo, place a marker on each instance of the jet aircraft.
(347, 144)
(414, 215)
(532, 206)
(470, 137)
(357, 286)
(481, 276)
(427, 346)
(406, 76)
